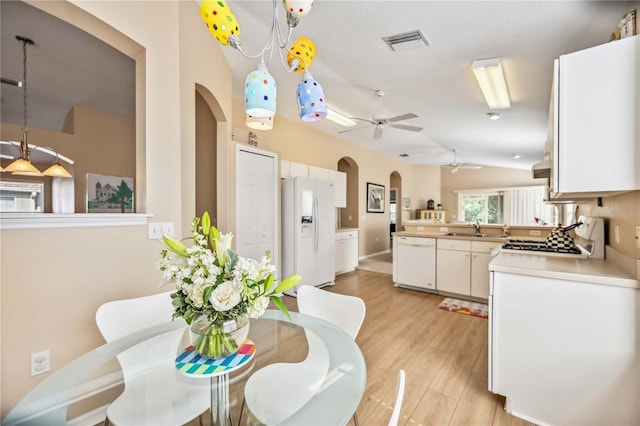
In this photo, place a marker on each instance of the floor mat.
(465, 307)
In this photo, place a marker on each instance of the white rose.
(225, 296)
(259, 307)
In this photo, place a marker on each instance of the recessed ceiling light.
(494, 115)
(404, 155)
(516, 156)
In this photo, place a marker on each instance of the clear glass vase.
(218, 340)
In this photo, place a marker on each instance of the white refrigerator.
(308, 231)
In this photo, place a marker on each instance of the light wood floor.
(443, 353)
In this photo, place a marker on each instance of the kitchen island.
(563, 339)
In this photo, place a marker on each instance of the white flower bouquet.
(216, 286)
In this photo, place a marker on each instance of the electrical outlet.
(534, 233)
(638, 237)
(616, 234)
(444, 229)
(40, 362)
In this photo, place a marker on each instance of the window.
(487, 208)
(21, 197)
(515, 206)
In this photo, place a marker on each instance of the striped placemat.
(191, 363)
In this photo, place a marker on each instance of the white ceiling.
(352, 62)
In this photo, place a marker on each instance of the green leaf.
(206, 224)
(207, 293)
(268, 283)
(280, 304)
(175, 246)
(287, 283)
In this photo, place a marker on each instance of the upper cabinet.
(339, 179)
(596, 120)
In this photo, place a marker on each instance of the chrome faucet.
(477, 226)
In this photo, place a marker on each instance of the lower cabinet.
(463, 267)
(346, 251)
(453, 266)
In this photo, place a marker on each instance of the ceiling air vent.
(408, 40)
(404, 155)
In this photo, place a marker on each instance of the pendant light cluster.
(23, 165)
(260, 94)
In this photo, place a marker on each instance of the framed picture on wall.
(109, 194)
(406, 203)
(375, 198)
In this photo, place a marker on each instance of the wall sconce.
(490, 77)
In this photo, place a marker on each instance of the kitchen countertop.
(346, 229)
(597, 271)
(496, 239)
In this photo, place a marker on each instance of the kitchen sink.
(465, 234)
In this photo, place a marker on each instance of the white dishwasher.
(416, 262)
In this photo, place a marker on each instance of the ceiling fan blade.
(377, 134)
(470, 166)
(353, 128)
(406, 127)
(402, 117)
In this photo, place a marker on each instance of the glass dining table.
(303, 371)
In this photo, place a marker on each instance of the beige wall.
(484, 178)
(302, 143)
(53, 280)
(622, 211)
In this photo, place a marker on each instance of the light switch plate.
(637, 236)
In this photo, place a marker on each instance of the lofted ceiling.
(352, 63)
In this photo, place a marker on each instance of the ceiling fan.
(455, 165)
(380, 123)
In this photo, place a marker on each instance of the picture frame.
(109, 194)
(406, 203)
(375, 198)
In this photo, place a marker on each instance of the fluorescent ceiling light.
(339, 118)
(491, 80)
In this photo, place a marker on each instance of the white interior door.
(256, 203)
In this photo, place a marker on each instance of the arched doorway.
(205, 161)
(348, 217)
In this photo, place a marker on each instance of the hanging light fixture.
(260, 87)
(259, 123)
(23, 165)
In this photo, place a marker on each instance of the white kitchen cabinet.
(597, 110)
(292, 169)
(319, 173)
(480, 258)
(340, 187)
(463, 266)
(346, 253)
(453, 271)
(564, 352)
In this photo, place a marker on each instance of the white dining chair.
(395, 414)
(343, 311)
(298, 381)
(155, 393)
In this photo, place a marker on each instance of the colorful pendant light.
(260, 93)
(301, 54)
(311, 103)
(259, 123)
(220, 21)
